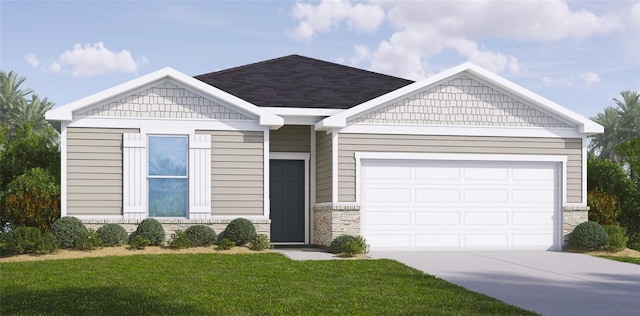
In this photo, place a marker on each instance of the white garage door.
(461, 205)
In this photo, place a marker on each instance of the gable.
(165, 100)
(461, 100)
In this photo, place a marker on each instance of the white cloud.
(590, 78)
(33, 60)
(96, 59)
(635, 16)
(329, 14)
(424, 30)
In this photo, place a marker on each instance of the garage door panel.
(437, 241)
(486, 218)
(437, 195)
(486, 195)
(437, 173)
(388, 172)
(437, 217)
(460, 205)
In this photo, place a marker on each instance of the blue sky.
(579, 54)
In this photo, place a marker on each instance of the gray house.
(309, 150)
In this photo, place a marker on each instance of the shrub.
(179, 240)
(634, 245)
(338, 243)
(69, 231)
(349, 246)
(91, 241)
(151, 229)
(32, 199)
(240, 231)
(617, 239)
(23, 240)
(605, 208)
(48, 243)
(588, 236)
(139, 242)
(260, 242)
(200, 235)
(225, 244)
(112, 235)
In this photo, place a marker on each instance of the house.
(309, 150)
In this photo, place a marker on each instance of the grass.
(622, 259)
(209, 284)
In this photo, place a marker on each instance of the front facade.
(461, 160)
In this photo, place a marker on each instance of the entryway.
(287, 195)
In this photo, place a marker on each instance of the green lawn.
(622, 259)
(256, 284)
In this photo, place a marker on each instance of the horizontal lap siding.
(323, 167)
(94, 170)
(237, 177)
(290, 138)
(350, 143)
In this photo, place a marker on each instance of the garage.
(460, 205)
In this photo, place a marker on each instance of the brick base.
(333, 221)
(263, 226)
(571, 217)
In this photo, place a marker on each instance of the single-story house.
(309, 150)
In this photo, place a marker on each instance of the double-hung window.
(168, 183)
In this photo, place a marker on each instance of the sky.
(579, 54)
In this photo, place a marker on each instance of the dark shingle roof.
(303, 82)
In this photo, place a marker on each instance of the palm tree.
(11, 96)
(32, 112)
(621, 124)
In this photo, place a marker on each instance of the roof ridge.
(246, 66)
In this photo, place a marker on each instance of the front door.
(287, 200)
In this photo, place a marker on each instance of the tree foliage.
(621, 124)
(32, 199)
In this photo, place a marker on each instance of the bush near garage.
(588, 236)
(617, 239)
(240, 230)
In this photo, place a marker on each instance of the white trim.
(65, 112)
(127, 122)
(303, 111)
(232, 217)
(63, 168)
(312, 179)
(465, 157)
(461, 130)
(586, 126)
(334, 166)
(306, 158)
(585, 142)
(302, 120)
(266, 203)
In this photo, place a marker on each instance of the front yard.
(241, 284)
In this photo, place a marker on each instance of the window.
(168, 176)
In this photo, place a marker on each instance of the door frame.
(306, 157)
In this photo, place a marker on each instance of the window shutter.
(134, 169)
(200, 176)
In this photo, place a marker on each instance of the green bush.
(617, 237)
(32, 199)
(23, 240)
(48, 243)
(349, 246)
(139, 242)
(200, 235)
(179, 240)
(338, 243)
(260, 242)
(588, 236)
(605, 208)
(151, 229)
(634, 245)
(225, 244)
(112, 235)
(91, 241)
(240, 231)
(69, 231)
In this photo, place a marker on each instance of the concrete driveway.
(549, 283)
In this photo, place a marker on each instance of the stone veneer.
(460, 101)
(166, 100)
(571, 217)
(263, 226)
(333, 221)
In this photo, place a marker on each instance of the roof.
(65, 112)
(585, 125)
(301, 82)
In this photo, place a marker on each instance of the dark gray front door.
(287, 200)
